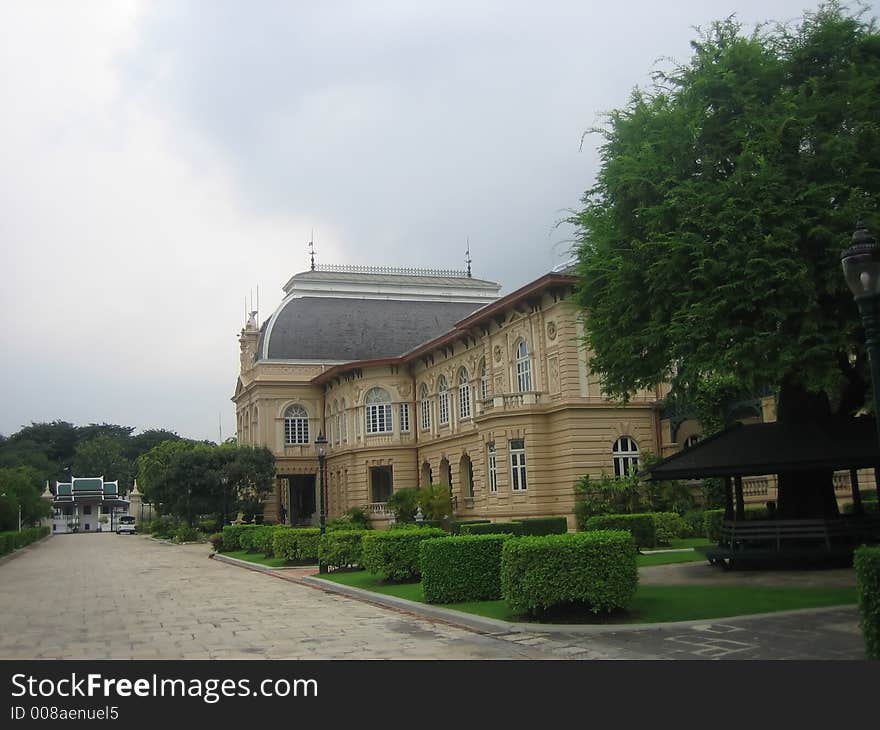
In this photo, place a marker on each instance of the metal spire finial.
(312, 249)
(468, 259)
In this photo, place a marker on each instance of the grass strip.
(652, 604)
(257, 558)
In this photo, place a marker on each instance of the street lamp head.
(861, 264)
(320, 445)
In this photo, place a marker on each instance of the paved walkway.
(122, 597)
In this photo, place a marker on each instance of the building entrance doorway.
(301, 499)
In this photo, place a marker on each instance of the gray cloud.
(164, 158)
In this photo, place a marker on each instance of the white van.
(125, 525)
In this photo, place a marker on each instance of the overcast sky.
(160, 160)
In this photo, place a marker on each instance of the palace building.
(424, 376)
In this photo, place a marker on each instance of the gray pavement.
(105, 596)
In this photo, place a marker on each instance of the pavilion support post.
(858, 509)
(740, 500)
(728, 499)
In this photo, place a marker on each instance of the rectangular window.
(379, 418)
(444, 409)
(404, 417)
(426, 415)
(518, 465)
(87, 509)
(464, 400)
(296, 431)
(493, 468)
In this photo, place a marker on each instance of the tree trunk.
(804, 494)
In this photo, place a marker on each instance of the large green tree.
(103, 455)
(189, 479)
(709, 247)
(20, 490)
(152, 466)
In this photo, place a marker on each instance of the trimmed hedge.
(866, 562)
(668, 526)
(455, 525)
(712, 519)
(494, 528)
(13, 540)
(187, 534)
(543, 525)
(524, 526)
(693, 522)
(342, 548)
(232, 536)
(462, 568)
(297, 544)
(642, 526)
(394, 554)
(248, 539)
(596, 569)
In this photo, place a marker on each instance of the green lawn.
(666, 558)
(652, 604)
(258, 558)
(685, 542)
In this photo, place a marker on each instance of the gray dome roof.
(347, 329)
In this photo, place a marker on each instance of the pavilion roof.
(772, 448)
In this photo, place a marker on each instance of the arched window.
(466, 475)
(692, 440)
(443, 401)
(425, 406)
(296, 425)
(464, 394)
(378, 411)
(625, 456)
(484, 380)
(343, 428)
(523, 367)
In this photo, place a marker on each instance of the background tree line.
(184, 477)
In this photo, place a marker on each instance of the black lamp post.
(320, 448)
(861, 267)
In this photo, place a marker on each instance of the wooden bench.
(762, 540)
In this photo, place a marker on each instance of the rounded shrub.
(187, 534)
(668, 526)
(232, 536)
(595, 569)
(462, 568)
(394, 554)
(296, 544)
(866, 562)
(342, 548)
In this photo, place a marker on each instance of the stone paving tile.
(171, 602)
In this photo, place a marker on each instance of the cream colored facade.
(554, 425)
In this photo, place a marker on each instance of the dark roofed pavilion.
(783, 448)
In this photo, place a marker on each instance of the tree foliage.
(103, 455)
(709, 246)
(189, 479)
(58, 450)
(20, 487)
